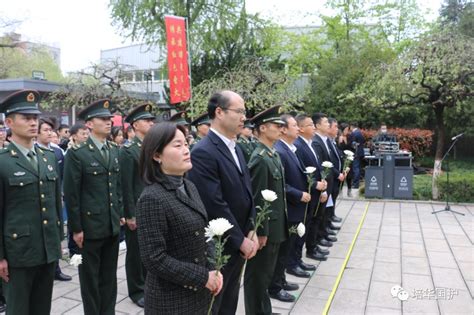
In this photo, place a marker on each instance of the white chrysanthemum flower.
(269, 195)
(217, 227)
(301, 229)
(348, 153)
(327, 164)
(76, 260)
(310, 170)
(350, 158)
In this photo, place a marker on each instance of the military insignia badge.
(13, 152)
(50, 168)
(106, 104)
(148, 108)
(281, 110)
(30, 97)
(183, 115)
(44, 159)
(94, 164)
(19, 173)
(116, 161)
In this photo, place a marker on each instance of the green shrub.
(461, 187)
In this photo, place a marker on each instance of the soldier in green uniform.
(180, 119)
(202, 124)
(246, 140)
(93, 198)
(141, 119)
(30, 210)
(267, 173)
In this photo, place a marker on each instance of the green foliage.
(221, 33)
(17, 62)
(254, 81)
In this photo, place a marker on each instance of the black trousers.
(279, 278)
(295, 247)
(30, 289)
(226, 302)
(134, 269)
(98, 275)
(316, 228)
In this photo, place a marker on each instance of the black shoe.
(330, 232)
(325, 243)
(316, 256)
(289, 286)
(3, 307)
(330, 238)
(307, 267)
(298, 272)
(322, 250)
(335, 218)
(62, 277)
(141, 302)
(334, 227)
(283, 296)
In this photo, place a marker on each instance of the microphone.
(457, 137)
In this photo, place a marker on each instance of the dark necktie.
(32, 160)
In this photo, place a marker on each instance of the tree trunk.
(439, 109)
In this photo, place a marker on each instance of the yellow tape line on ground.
(341, 272)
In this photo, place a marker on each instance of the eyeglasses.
(237, 111)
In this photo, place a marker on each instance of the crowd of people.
(157, 185)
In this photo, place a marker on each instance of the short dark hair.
(332, 120)
(76, 127)
(218, 99)
(301, 117)
(115, 131)
(317, 117)
(63, 126)
(157, 138)
(354, 124)
(44, 120)
(343, 126)
(286, 118)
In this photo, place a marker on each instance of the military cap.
(99, 108)
(271, 114)
(201, 120)
(140, 112)
(248, 124)
(179, 118)
(22, 102)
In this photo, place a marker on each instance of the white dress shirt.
(230, 145)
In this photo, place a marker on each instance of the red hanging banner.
(178, 72)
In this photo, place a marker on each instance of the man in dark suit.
(356, 139)
(93, 198)
(321, 146)
(223, 180)
(45, 131)
(297, 199)
(307, 154)
(338, 173)
(141, 120)
(30, 210)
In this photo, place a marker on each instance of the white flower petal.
(348, 153)
(269, 195)
(327, 164)
(310, 170)
(76, 260)
(301, 229)
(217, 227)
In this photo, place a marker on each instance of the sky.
(81, 29)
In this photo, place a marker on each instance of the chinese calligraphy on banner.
(178, 72)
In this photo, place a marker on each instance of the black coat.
(225, 191)
(173, 249)
(295, 182)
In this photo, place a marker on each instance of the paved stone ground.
(400, 243)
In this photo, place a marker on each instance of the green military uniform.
(267, 173)
(202, 119)
(93, 198)
(247, 146)
(132, 187)
(30, 216)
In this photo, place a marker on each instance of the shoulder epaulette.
(78, 146)
(112, 143)
(128, 144)
(3, 150)
(262, 153)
